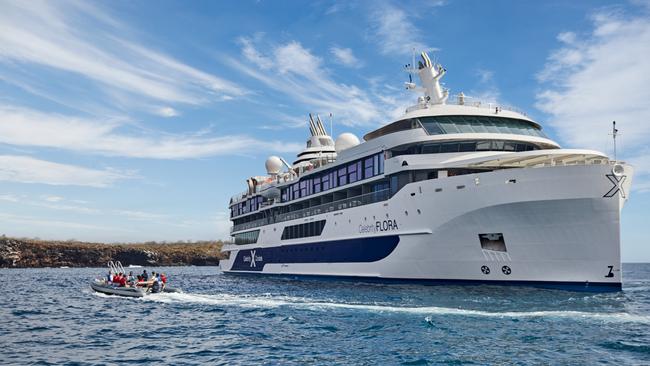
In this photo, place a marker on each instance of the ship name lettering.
(364, 229)
(386, 225)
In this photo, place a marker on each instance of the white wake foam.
(269, 301)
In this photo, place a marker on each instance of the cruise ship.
(455, 191)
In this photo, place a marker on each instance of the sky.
(137, 121)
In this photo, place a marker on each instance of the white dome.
(346, 141)
(273, 165)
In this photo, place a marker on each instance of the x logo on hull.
(618, 185)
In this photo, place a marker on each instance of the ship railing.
(471, 102)
(338, 205)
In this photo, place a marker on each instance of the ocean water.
(52, 317)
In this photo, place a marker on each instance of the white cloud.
(346, 57)
(485, 90)
(79, 39)
(53, 198)
(166, 112)
(598, 78)
(9, 198)
(26, 169)
(295, 71)
(20, 126)
(395, 33)
(40, 222)
(140, 215)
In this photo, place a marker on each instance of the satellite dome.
(273, 165)
(346, 141)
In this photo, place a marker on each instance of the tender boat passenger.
(145, 276)
(155, 286)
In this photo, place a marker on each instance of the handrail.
(342, 204)
(469, 102)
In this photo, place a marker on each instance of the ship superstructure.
(454, 191)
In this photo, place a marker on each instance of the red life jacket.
(163, 278)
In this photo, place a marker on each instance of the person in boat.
(155, 284)
(116, 278)
(145, 276)
(130, 280)
(109, 277)
(163, 278)
(122, 281)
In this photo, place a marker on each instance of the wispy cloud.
(80, 39)
(32, 221)
(485, 90)
(166, 112)
(27, 127)
(346, 57)
(296, 72)
(140, 215)
(53, 198)
(598, 77)
(9, 198)
(26, 169)
(394, 31)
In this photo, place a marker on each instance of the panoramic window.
(303, 230)
(439, 125)
(461, 146)
(249, 237)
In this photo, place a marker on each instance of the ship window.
(317, 184)
(431, 149)
(467, 146)
(305, 230)
(368, 168)
(303, 188)
(249, 237)
(439, 125)
(326, 182)
(343, 178)
(449, 147)
(463, 146)
(493, 241)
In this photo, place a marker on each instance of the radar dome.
(273, 165)
(346, 141)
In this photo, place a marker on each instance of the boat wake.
(270, 301)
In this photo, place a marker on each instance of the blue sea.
(52, 317)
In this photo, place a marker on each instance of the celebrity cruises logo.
(253, 259)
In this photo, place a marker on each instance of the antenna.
(412, 58)
(331, 126)
(614, 134)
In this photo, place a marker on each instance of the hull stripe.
(338, 251)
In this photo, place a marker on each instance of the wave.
(269, 301)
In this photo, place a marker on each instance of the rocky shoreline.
(32, 253)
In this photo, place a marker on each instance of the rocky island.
(33, 253)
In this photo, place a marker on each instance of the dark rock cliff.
(27, 253)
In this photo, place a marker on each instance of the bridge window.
(439, 125)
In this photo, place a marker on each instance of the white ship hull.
(560, 226)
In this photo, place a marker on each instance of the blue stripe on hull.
(338, 251)
(559, 285)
